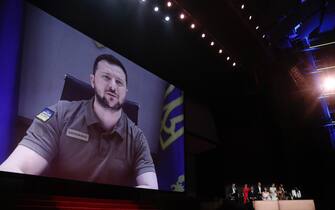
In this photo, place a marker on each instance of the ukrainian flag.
(170, 167)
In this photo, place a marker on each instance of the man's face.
(109, 83)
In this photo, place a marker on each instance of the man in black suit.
(258, 190)
(232, 192)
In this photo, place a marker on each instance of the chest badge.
(77, 134)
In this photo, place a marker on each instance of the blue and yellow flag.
(170, 167)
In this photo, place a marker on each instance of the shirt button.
(104, 147)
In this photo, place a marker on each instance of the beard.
(104, 103)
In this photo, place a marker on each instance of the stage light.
(193, 25)
(263, 36)
(257, 27)
(328, 85)
(250, 17)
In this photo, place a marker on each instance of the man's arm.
(147, 180)
(24, 160)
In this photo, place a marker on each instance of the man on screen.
(91, 140)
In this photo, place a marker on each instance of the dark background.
(268, 128)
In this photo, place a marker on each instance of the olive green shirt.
(76, 147)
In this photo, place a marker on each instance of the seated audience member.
(232, 192)
(281, 193)
(259, 191)
(252, 194)
(273, 192)
(299, 194)
(245, 191)
(285, 193)
(295, 193)
(266, 194)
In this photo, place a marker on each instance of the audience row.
(249, 193)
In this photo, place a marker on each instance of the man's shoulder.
(130, 123)
(68, 108)
(69, 103)
(135, 130)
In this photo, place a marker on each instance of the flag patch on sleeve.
(45, 115)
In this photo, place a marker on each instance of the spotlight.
(167, 18)
(203, 35)
(242, 6)
(169, 4)
(156, 9)
(257, 27)
(142, 0)
(220, 51)
(181, 16)
(234, 64)
(250, 17)
(228, 58)
(212, 43)
(192, 25)
(328, 85)
(263, 36)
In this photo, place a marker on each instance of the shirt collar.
(120, 126)
(92, 118)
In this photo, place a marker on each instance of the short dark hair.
(111, 60)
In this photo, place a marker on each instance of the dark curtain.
(11, 13)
